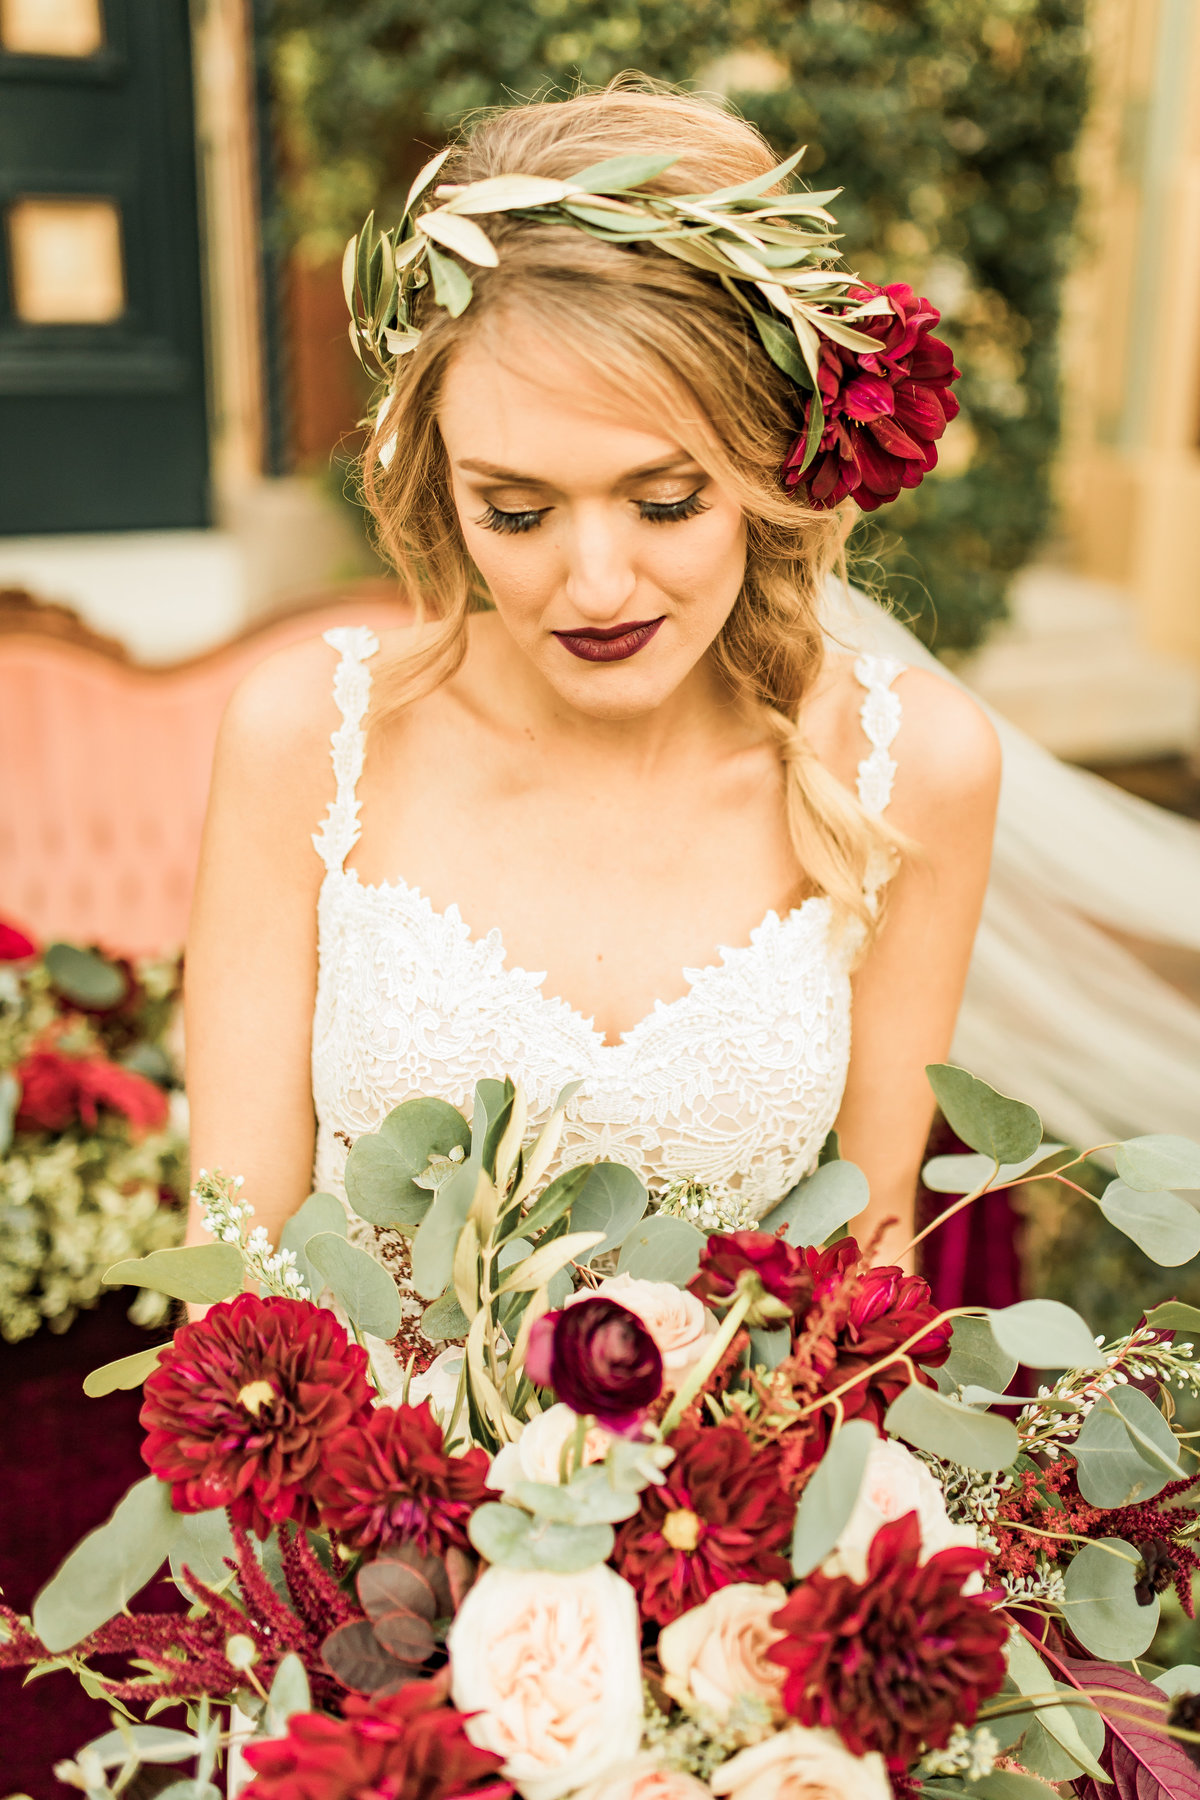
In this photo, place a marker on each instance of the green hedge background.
(952, 125)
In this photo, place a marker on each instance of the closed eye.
(653, 512)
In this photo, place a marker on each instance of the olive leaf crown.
(772, 252)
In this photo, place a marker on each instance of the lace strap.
(338, 831)
(880, 715)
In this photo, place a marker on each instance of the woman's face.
(612, 557)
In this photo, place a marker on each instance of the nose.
(601, 578)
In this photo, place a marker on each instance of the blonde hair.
(651, 325)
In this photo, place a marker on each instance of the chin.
(613, 692)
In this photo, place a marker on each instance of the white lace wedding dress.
(734, 1084)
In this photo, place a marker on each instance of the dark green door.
(102, 391)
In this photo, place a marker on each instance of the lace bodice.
(734, 1084)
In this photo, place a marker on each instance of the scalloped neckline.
(451, 915)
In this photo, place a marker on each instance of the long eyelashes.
(654, 512)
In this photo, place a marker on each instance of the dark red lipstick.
(612, 644)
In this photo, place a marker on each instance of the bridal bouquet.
(677, 1512)
(92, 1168)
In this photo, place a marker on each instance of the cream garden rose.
(802, 1764)
(537, 1453)
(717, 1653)
(646, 1780)
(551, 1667)
(675, 1319)
(894, 1483)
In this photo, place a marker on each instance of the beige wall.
(1130, 470)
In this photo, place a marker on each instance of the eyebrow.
(473, 466)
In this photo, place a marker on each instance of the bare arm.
(908, 989)
(250, 974)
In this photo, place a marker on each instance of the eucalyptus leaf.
(1100, 1606)
(199, 1273)
(1160, 1161)
(202, 1542)
(1079, 1731)
(819, 1205)
(661, 1248)
(611, 1201)
(381, 1165)
(437, 1235)
(84, 976)
(1162, 1224)
(107, 1567)
(1174, 1315)
(976, 1359)
(831, 1495)
(1184, 1678)
(320, 1212)
(153, 1743)
(1045, 1334)
(361, 1285)
(962, 1174)
(445, 1318)
(768, 1348)
(933, 1422)
(1007, 1784)
(1126, 1452)
(126, 1372)
(509, 1538)
(289, 1693)
(1006, 1130)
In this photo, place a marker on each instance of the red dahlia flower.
(600, 1359)
(884, 409)
(896, 1662)
(390, 1480)
(720, 1516)
(884, 1308)
(771, 1268)
(57, 1090)
(14, 945)
(243, 1404)
(407, 1746)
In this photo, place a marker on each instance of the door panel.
(102, 393)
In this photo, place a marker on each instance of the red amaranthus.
(243, 1404)
(390, 1480)
(896, 1662)
(405, 1746)
(720, 1516)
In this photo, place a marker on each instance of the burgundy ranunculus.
(774, 1271)
(14, 945)
(599, 1358)
(57, 1090)
(405, 1746)
(886, 1307)
(884, 410)
(896, 1661)
(721, 1515)
(243, 1404)
(392, 1481)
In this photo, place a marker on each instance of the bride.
(636, 822)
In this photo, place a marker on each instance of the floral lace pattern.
(735, 1083)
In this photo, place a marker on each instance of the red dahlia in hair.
(390, 1480)
(720, 1516)
(884, 409)
(243, 1404)
(777, 1274)
(882, 1309)
(896, 1662)
(406, 1746)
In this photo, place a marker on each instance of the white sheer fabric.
(1056, 1011)
(736, 1083)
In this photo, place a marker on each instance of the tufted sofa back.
(105, 764)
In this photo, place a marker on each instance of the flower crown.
(876, 382)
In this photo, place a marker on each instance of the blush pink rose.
(646, 1780)
(716, 1654)
(802, 1764)
(537, 1453)
(550, 1667)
